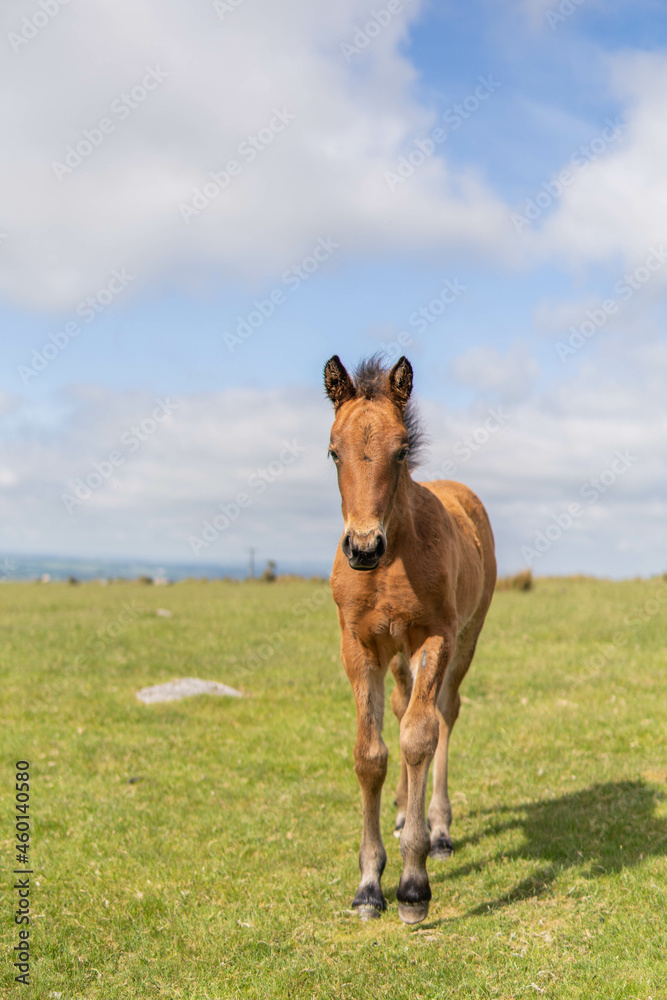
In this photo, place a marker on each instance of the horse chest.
(386, 615)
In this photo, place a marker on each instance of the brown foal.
(413, 579)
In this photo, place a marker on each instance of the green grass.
(228, 869)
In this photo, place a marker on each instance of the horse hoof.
(369, 902)
(413, 913)
(441, 849)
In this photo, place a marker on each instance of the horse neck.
(401, 524)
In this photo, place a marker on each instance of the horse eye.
(333, 454)
(402, 455)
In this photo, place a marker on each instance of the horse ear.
(400, 382)
(337, 383)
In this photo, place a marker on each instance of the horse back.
(474, 539)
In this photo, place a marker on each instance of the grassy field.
(207, 848)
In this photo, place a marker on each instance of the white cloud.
(548, 446)
(8, 402)
(322, 175)
(132, 473)
(553, 445)
(617, 207)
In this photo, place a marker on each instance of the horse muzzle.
(364, 550)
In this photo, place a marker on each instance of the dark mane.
(370, 381)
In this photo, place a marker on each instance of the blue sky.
(322, 180)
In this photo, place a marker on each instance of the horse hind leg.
(449, 703)
(400, 699)
(440, 810)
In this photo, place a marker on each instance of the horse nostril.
(365, 551)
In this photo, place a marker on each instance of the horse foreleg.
(419, 738)
(370, 764)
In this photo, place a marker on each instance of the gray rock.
(184, 688)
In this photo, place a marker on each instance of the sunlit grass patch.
(208, 847)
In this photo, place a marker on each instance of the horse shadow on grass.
(600, 830)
